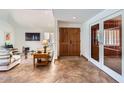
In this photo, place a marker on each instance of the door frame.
(91, 59)
(79, 38)
(108, 70)
(100, 64)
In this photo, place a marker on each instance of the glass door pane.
(94, 42)
(112, 44)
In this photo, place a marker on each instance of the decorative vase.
(45, 47)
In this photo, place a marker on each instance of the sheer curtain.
(111, 37)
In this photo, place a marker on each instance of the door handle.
(101, 43)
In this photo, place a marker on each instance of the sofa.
(8, 59)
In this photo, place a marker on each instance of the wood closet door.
(69, 41)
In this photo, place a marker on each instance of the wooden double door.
(69, 41)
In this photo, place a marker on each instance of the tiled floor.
(64, 70)
(114, 63)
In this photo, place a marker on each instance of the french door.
(106, 45)
(95, 43)
(113, 43)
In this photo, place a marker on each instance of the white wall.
(56, 54)
(20, 38)
(69, 24)
(85, 37)
(1, 38)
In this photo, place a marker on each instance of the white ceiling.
(33, 18)
(39, 18)
(75, 15)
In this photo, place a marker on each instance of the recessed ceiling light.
(74, 17)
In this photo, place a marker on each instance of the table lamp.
(45, 44)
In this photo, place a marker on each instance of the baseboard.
(84, 57)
